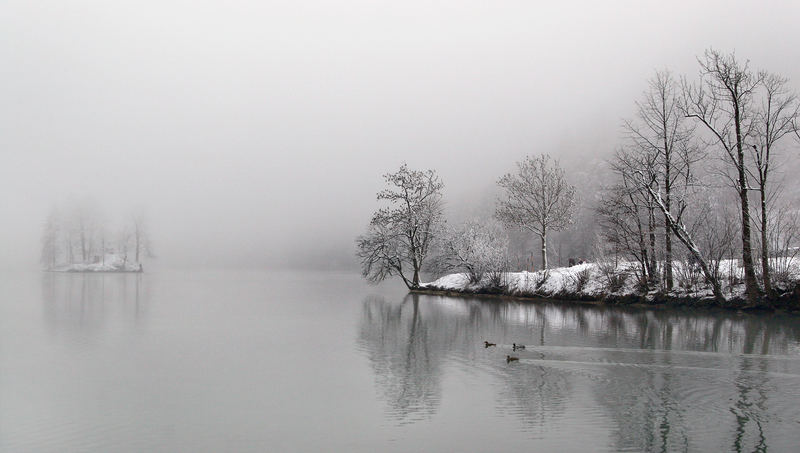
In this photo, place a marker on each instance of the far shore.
(73, 271)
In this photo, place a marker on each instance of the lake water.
(261, 361)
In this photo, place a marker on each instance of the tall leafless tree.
(401, 235)
(538, 198)
(660, 131)
(723, 104)
(774, 120)
(627, 163)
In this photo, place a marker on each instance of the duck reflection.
(81, 306)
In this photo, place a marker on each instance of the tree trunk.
(764, 243)
(686, 239)
(83, 245)
(668, 255)
(668, 206)
(415, 264)
(544, 248)
(645, 259)
(751, 284)
(651, 225)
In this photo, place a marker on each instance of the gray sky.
(252, 129)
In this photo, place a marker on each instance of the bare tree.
(715, 229)
(640, 174)
(141, 238)
(784, 240)
(401, 235)
(641, 207)
(678, 227)
(477, 248)
(538, 198)
(660, 133)
(84, 225)
(774, 120)
(723, 104)
(123, 241)
(50, 239)
(623, 224)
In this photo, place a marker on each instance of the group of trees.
(695, 185)
(691, 145)
(402, 236)
(80, 234)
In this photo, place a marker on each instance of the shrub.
(613, 275)
(580, 279)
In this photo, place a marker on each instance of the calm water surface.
(260, 361)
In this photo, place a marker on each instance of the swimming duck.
(510, 359)
(486, 344)
(518, 346)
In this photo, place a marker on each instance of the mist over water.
(255, 133)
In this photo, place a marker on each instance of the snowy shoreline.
(110, 263)
(90, 271)
(588, 283)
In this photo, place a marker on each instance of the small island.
(80, 238)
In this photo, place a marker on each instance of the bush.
(580, 279)
(688, 275)
(613, 276)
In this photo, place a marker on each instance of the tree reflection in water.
(405, 354)
(79, 305)
(654, 379)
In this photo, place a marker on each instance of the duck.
(510, 359)
(518, 346)
(486, 344)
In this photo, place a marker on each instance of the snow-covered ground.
(591, 280)
(111, 263)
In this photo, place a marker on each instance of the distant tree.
(401, 235)
(83, 234)
(50, 239)
(723, 104)
(140, 236)
(123, 242)
(478, 249)
(538, 198)
(84, 222)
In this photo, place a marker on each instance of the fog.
(255, 133)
